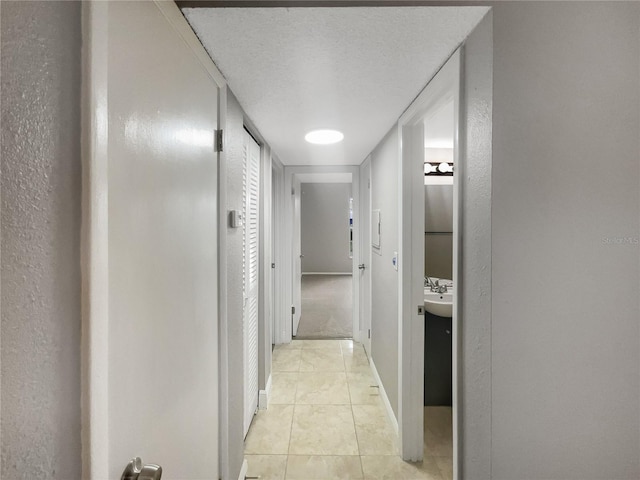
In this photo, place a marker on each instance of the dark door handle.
(361, 266)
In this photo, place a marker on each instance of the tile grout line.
(352, 414)
(295, 398)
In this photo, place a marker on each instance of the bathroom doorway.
(439, 164)
(429, 138)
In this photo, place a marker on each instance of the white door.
(251, 195)
(297, 260)
(364, 267)
(150, 337)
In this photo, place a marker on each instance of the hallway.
(326, 420)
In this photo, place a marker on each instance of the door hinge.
(219, 140)
(293, 310)
(420, 309)
(369, 334)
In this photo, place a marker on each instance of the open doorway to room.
(439, 134)
(430, 155)
(323, 252)
(326, 240)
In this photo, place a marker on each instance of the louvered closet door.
(251, 195)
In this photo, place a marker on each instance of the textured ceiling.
(351, 69)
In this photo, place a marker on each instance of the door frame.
(411, 271)
(282, 323)
(280, 312)
(365, 255)
(295, 216)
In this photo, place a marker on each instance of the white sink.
(438, 303)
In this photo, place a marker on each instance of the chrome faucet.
(434, 285)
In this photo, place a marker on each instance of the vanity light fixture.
(429, 168)
(441, 169)
(445, 167)
(324, 137)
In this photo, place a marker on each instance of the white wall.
(474, 285)
(41, 195)
(324, 217)
(565, 329)
(384, 277)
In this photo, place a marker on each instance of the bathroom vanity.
(437, 360)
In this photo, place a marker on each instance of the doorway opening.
(326, 240)
(439, 135)
(321, 233)
(429, 132)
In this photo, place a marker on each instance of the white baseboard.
(263, 396)
(326, 273)
(385, 398)
(243, 470)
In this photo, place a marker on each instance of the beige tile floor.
(326, 421)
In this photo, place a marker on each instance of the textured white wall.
(475, 277)
(565, 356)
(384, 277)
(40, 240)
(324, 218)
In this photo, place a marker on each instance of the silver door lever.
(136, 471)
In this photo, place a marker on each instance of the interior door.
(297, 259)
(251, 195)
(152, 348)
(365, 254)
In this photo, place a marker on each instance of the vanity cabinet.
(437, 360)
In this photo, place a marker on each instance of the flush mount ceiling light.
(324, 137)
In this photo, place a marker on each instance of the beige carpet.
(326, 307)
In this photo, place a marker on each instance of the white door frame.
(365, 255)
(295, 215)
(280, 311)
(282, 324)
(411, 272)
